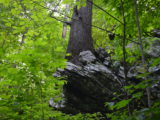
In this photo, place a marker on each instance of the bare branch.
(68, 23)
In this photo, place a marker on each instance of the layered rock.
(95, 80)
(90, 84)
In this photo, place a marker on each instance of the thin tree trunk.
(23, 37)
(142, 50)
(124, 53)
(65, 24)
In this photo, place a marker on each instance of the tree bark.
(80, 33)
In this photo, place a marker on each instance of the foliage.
(30, 52)
(31, 49)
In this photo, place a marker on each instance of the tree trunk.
(80, 33)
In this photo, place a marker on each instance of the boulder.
(89, 85)
(86, 57)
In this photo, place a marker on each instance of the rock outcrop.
(95, 80)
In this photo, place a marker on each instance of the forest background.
(32, 48)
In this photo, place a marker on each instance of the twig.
(128, 39)
(23, 8)
(68, 23)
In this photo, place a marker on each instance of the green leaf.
(122, 104)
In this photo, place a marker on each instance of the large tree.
(80, 33)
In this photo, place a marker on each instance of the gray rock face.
(90, 85)
(107, 62)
